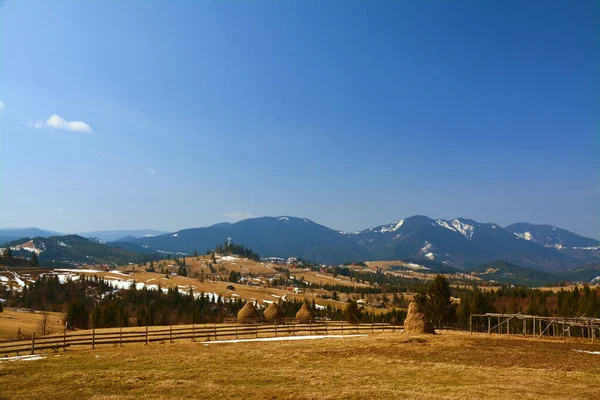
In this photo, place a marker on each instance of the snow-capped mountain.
(551, 236)
(460, 242)
(562, 240)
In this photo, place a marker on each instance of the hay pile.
(416, 322)
(248, 313)
(273, 312)
(305, 314)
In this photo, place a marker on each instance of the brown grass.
(446, 366)
(11, 321)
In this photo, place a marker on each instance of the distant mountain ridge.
(10, 234)
(460, 242)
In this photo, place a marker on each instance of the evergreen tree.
(233, 277)
(352, 312)
(439, 303)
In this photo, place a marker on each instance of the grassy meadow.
(390, 365)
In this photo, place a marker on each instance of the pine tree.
(439, 302)
(352, 312)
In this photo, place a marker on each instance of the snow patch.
(524, 235)
(279, 339)
(444, 224)
(465, 229)
(174, 235)
(283, 218)
(18, 280)
(31, 357)
(392, 227)
(430, 256)
(426, 247)
(587, 352)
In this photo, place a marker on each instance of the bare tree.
(43, 324)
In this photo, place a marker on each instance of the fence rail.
(121, 336)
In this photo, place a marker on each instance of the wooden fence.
(225, 331)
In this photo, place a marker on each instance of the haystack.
(416, 322)
(248, 313)
(305, 314)
(274, 312)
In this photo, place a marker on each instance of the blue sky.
(169, 115)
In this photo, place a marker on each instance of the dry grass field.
(11, 321)
(446, 366)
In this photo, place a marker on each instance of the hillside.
(268, 236)
(74, 250)
(504, 272)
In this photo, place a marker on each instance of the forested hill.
(73, 250)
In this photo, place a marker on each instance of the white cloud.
(60, 209)
(55, 121)
(150, 170)
(236, 216)
(2, 106)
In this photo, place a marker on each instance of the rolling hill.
(72, 250)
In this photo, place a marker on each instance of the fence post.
(342, 327)
(120, 336)
(255, 330)
(171, 333)
(65, 340)
(93, 338)
(32, 342)
(326, 330)
(489, 326)
(393, 324)
(216, 329)
(193, 332)
(146, 334)
(310, 326)
(236, 332)
(275, 326)
(471, 324)
(372, 324)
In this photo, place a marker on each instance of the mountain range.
(460, 242)
(11, 234)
